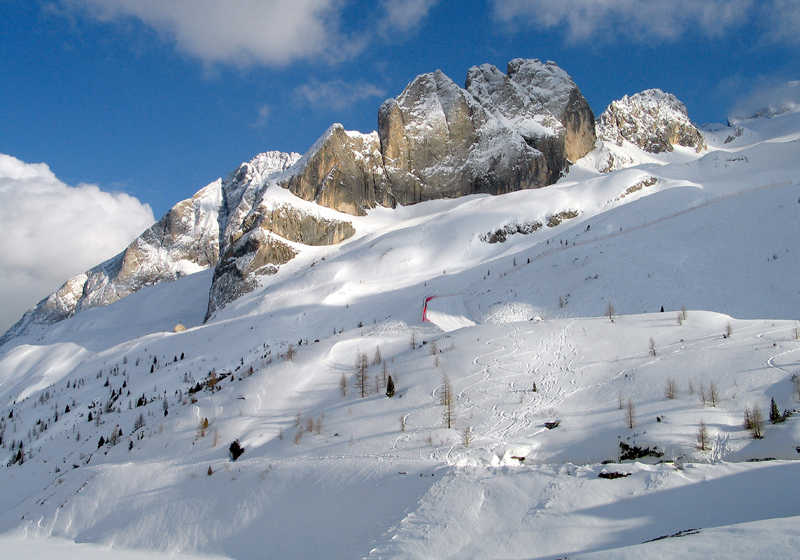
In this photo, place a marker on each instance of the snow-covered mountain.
(500, 134)
(649, 122)
(583, 420)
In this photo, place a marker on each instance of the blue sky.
(133, 105)
(146, 97)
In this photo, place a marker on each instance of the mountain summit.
(500, 133)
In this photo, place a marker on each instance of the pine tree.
(448, 413)
(361, 374)
(390, 387)
(101, 442)
(775, 416)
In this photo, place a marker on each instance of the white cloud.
(238, 32)
(643, 20)
(403, 16)
(258, 32)
(52, 231)
(336, 94)
(768, 96)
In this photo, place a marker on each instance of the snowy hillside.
(545, 347)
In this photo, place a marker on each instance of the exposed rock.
(652, 120)
(646, 182)
(555, 219)
(502, 133)
(294, 225)
(343, 171)
(500, 235)
(254, 254)
(243, 190)
(426, 136)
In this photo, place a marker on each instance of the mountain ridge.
(502, 132)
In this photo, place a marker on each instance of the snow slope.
(341, 476)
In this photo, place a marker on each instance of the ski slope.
(327, 473)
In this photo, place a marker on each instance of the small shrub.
(390, 387)
(713, 394)
(756, 423)
(670, 388)
(633, 452)
(702, 437)
(630, 418)
(466, 436)
(612, 475)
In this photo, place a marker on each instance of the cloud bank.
(52, 231)
(768, 97)
(259, 32)
(648, 21)
(238, 32)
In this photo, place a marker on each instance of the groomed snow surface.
(328, 473)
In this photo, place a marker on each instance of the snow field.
(715, 232)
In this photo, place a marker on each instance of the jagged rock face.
(244, 188)
(254, 254)
(504, 132)
(426, 136)
(652, 120)
(343, 171)
(294, 225)
(255, 250)
(257, 227)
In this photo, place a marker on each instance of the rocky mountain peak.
(501, 133)
(653, 120)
